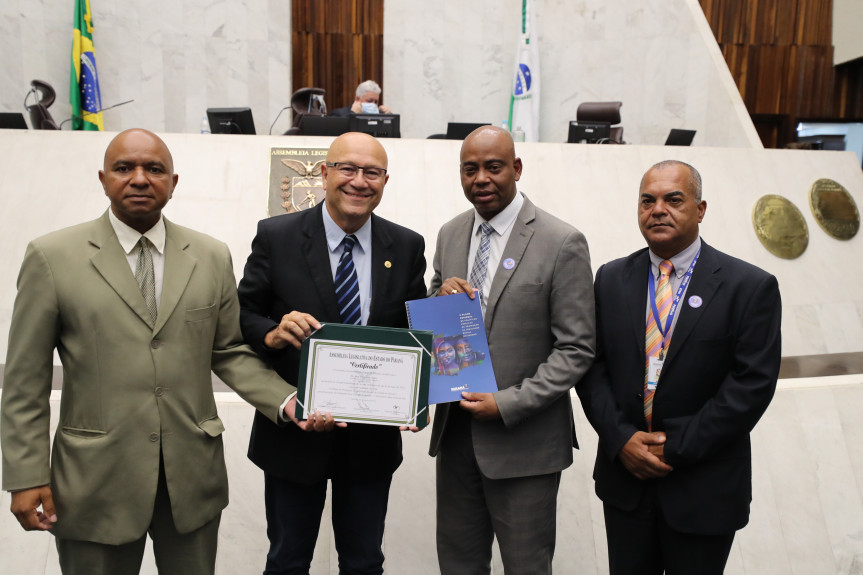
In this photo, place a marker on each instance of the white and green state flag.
(524, 100)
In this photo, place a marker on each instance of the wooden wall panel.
(848, 95)
(781, 57)
(336, 45)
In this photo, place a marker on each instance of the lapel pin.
(695, 301)
(388, 264)
(508, 263)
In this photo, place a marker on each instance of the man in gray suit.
(139, 310)
(500, 455)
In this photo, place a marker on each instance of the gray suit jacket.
(130, 388)
(539, 321)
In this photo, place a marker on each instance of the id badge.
(654, 368)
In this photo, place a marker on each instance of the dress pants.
(640, 542)
(359, 509)
(191, 553)
(472, 509)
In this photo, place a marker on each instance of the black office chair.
(40, 117)
(602, 112)
(306, 102)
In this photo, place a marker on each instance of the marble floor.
(807, 511)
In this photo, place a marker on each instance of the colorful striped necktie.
(146, 276)
(347, 285)
(480, 262)
(653, 339)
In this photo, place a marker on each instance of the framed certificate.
(365, 374)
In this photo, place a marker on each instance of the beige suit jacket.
(130, 388)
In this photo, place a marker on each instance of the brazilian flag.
(84, 90)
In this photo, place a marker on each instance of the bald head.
(489, 170)
(353, 194)
(357, 142)
(500, 138)
(139, 135)
(138, 177)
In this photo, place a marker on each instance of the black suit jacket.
(718, 379)
(289, 269)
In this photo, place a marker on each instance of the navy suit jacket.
(289, 269)
(718, 379)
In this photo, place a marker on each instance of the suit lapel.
(519, 237)
(111, 263)
(461, 249)
(635, 278)
(318, 259)
(382, 252)
(178, 270)
(705, 281)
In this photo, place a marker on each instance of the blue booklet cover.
(460, 357)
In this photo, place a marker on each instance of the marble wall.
(224, 180)
(174, 58)
(452, 61)
(847, 41)
(443, 61)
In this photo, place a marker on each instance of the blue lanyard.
(651, 288)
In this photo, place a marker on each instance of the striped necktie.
(653, 338)
(480, 262)
(347, 285)
(146, 276)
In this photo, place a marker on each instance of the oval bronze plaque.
(780, 226)
(834, 209)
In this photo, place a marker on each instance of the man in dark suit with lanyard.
(335, 263)
(688, 351)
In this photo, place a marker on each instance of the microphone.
(277, 117)
(73, 116)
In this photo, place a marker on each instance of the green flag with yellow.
(84, 93)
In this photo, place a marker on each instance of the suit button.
(159, 392)
(154, 437)
(155, 344)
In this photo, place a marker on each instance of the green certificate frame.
(365, 374)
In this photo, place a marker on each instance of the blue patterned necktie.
(480, 262)
(347, 285)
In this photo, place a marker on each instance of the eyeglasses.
(350, 170)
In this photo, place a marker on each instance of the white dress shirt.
(129, 238)
(681, 263)
(502, 225)
(362, 255)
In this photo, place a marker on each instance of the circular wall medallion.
(834, 209)
(780, 226)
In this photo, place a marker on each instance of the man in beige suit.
(140, 310)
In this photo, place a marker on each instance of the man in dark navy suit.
(287, 290)
(688, 351)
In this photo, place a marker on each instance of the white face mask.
(370, 108)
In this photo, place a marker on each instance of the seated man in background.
(366, 102)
